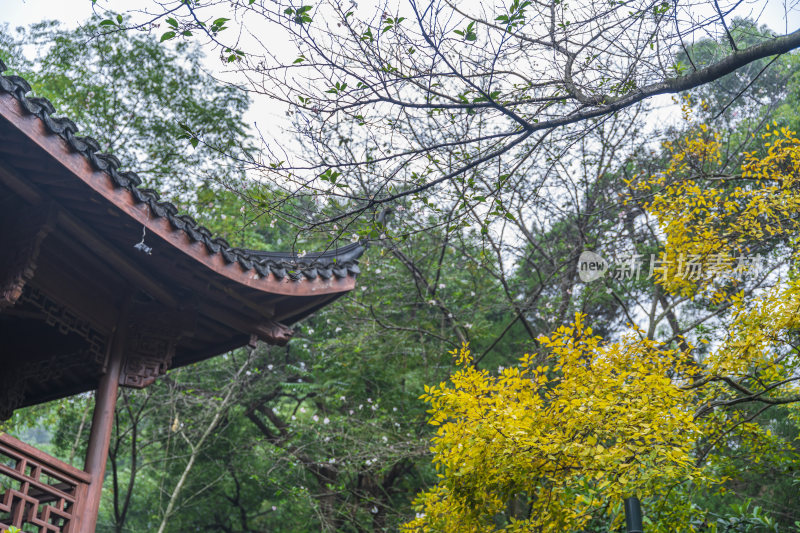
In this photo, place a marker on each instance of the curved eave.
(123, 199)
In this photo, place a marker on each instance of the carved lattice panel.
(38, 493)
(151, 336)
(58, 316)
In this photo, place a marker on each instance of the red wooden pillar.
(102, 424)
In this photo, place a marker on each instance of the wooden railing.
(39, 493)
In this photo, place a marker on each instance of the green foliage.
(300, 15)
(515, 15)
(137, 99)
(468, 33)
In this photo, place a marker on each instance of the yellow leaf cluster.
(605, 421)
(710, 219)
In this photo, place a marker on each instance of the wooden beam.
(287, 312)
(19, 186)
(212, 350)
(268, 330)
(264, 310)
(99, 246)
(112, 256)
(273, 333)
(202, 285)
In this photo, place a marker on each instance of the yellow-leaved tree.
(555, 447)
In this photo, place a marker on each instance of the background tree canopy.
(480, 150)
(394, 101)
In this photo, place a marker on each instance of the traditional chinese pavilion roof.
(69, 222)
(340, 263)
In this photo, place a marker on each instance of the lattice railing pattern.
(38, 493)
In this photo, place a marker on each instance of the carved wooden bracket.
(273, 332)
(151, 335)
(147, 357)
(21, 236)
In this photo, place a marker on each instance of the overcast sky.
(22, 13)
(270, 116)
